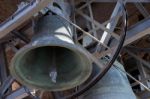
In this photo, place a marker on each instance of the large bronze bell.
(51, 61)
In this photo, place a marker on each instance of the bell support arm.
(21, 16)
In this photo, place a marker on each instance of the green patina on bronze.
(32, 64)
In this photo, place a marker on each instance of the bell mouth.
(32, 66)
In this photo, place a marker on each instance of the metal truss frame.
(135, 32)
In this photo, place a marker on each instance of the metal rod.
(21, 36)
(141, 8)
(116, 36)
(87, 33)
(132, 78)
(142, 72)
(138, 58)
(91, 15)
(144, 80)
(104, 23)
(21, 16)
(93, 58)
(111, 25)
(87, 3)
(18, 94)
(7, 83)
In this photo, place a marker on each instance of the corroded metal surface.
(33, 63)
(114, 85)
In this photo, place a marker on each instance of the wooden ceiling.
(7, 8)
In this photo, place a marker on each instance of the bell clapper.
(53, 75)
(53, 69)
